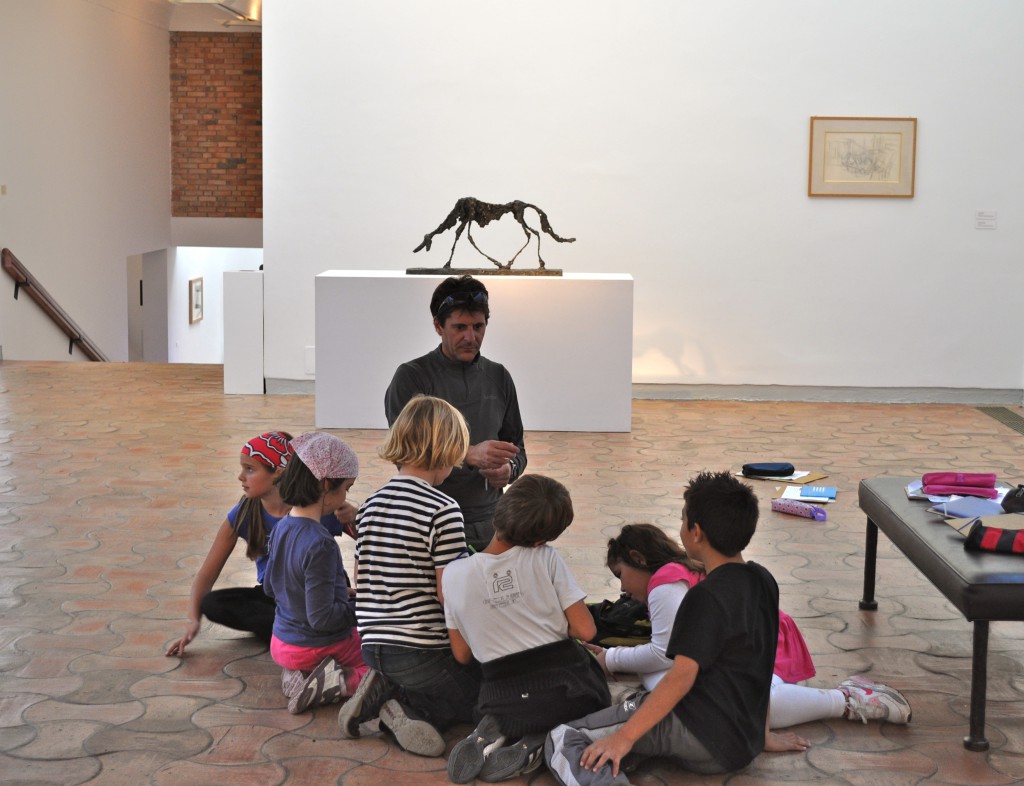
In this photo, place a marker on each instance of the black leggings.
(241, 608)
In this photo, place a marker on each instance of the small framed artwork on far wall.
(862, 156)
(195, 300)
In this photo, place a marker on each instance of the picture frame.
(195, 300)
(862, 157)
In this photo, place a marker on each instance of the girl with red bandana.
(263, 460)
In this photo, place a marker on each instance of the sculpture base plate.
(480, 271)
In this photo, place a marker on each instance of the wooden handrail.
(25, 280)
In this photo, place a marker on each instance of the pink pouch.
(963, 491)
(798, 508)
(976, 479)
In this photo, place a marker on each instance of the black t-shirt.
(729, 624)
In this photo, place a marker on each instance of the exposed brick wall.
(216, 125)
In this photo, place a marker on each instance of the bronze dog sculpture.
(469, 210)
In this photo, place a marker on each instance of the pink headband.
(271, 449)
(326, 456)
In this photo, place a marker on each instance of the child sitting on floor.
(263, 460)
(516, 607)
(314, 639)
(709, 712)
(407, 533)
(652, 568)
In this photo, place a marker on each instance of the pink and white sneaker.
(867, 700)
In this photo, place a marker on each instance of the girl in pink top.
(653, 568)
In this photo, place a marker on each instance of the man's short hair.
(459, 293)
(725, 508)
(534, 509)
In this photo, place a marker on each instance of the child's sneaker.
(520, 758)
(374, 689)
(324, 685)
(292, 681)
(869, 700)
(413, 735)
(469, 755)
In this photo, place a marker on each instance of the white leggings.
(792, 705)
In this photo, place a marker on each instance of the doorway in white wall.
(158, 283)
(134, 291)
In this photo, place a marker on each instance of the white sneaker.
(412, 734)
(292, 681)
(867, 700)
(324, 685)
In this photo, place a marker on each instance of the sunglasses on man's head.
(477, 298)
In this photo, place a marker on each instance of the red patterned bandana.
(271, 449)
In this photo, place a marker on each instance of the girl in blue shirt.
(314, 637)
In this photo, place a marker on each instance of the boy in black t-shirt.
(709, 712)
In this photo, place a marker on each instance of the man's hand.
(606, 750)
(498, 478)
(491, 454)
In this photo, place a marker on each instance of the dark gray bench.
(983, 586)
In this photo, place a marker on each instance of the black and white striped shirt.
(405, 532)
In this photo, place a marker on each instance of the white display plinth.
(567, 341)
(243, 331)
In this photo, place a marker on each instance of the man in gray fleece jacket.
(480, 389)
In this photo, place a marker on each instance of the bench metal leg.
(868, 602)
(976, 741)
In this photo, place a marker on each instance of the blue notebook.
(968, 507)
(819, 492)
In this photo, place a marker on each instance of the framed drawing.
(862, 156)
(195, 300)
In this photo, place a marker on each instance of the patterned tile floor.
(114, 477)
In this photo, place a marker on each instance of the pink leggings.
(347, 652)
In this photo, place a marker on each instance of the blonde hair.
(429, 433)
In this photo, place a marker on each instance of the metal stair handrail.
(25, 280)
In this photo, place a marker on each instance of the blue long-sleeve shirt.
(307, 580)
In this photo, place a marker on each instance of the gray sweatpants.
(565, 745)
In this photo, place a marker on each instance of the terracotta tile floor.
(113, 478)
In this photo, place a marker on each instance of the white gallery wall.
(671, 138)
(84, 161)
(202, 341)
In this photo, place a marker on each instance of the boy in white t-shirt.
(516, 608)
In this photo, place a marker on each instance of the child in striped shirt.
(406, 533)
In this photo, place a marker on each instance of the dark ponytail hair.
(654, 547)
(250, 513)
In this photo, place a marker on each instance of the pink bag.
(976, 479)
(963, 491)
(798, 508)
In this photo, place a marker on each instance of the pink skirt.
(347, 652)
(792, 660)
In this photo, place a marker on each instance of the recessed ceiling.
(188, 14)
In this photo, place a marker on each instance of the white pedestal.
(243, 331)
(566, 340)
